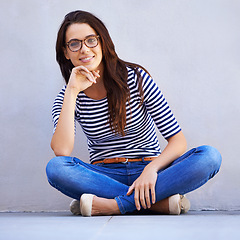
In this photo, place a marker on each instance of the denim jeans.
(74, 177)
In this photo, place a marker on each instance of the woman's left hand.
(146, 182)
(142, 187)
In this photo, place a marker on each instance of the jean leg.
(186, 174)
(73, 177)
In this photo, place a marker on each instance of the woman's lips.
(86, 59)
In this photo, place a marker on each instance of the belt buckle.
(125, 161)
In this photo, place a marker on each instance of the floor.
(62, 225)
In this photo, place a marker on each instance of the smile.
(86, 59)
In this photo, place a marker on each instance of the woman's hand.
(81, 78)
(144, 186)
(146, 182)
(63, 139)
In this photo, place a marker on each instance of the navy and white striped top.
(140, 139)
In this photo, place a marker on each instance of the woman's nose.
(84, 48)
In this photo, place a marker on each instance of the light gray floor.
(62, 225)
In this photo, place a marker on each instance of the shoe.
(86, 204)
(185, 204)
(178, 204)
(75, 207)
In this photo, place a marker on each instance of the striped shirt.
(140, 139)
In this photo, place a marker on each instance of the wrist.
(72, 91)
(158, 164)
(152, 166)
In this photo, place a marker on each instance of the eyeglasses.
(75, 44)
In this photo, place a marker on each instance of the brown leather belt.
(123, 160)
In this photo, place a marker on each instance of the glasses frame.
(83, 41)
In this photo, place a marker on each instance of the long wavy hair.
(115, 73)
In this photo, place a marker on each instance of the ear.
(66, 53)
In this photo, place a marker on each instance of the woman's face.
(91, 58)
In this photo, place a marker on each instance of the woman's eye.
(74, 44)
(91, 40)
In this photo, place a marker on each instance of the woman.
(117, 104)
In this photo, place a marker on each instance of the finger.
(89, 76)
(96, 74)
(136, 199)
(130, 190)
(147, 197)
(84, 71)
(82, 68)
(79, 71)
(92, 76)
(153, 195)
(142, 198)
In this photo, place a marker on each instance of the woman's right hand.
(63, 139)
(81, 78)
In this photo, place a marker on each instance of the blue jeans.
(74, 177)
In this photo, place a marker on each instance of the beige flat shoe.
(178, 204)
(75, 207)
(86, 204)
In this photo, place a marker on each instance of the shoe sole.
(185, 204)
(75, 207)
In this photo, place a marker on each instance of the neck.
(97, 91)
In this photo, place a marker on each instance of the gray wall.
(191, 48)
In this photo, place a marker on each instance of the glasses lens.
(91, 41)
(74, 45)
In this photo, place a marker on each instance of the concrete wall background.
(191, 48)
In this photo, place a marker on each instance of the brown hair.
(115, 72)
